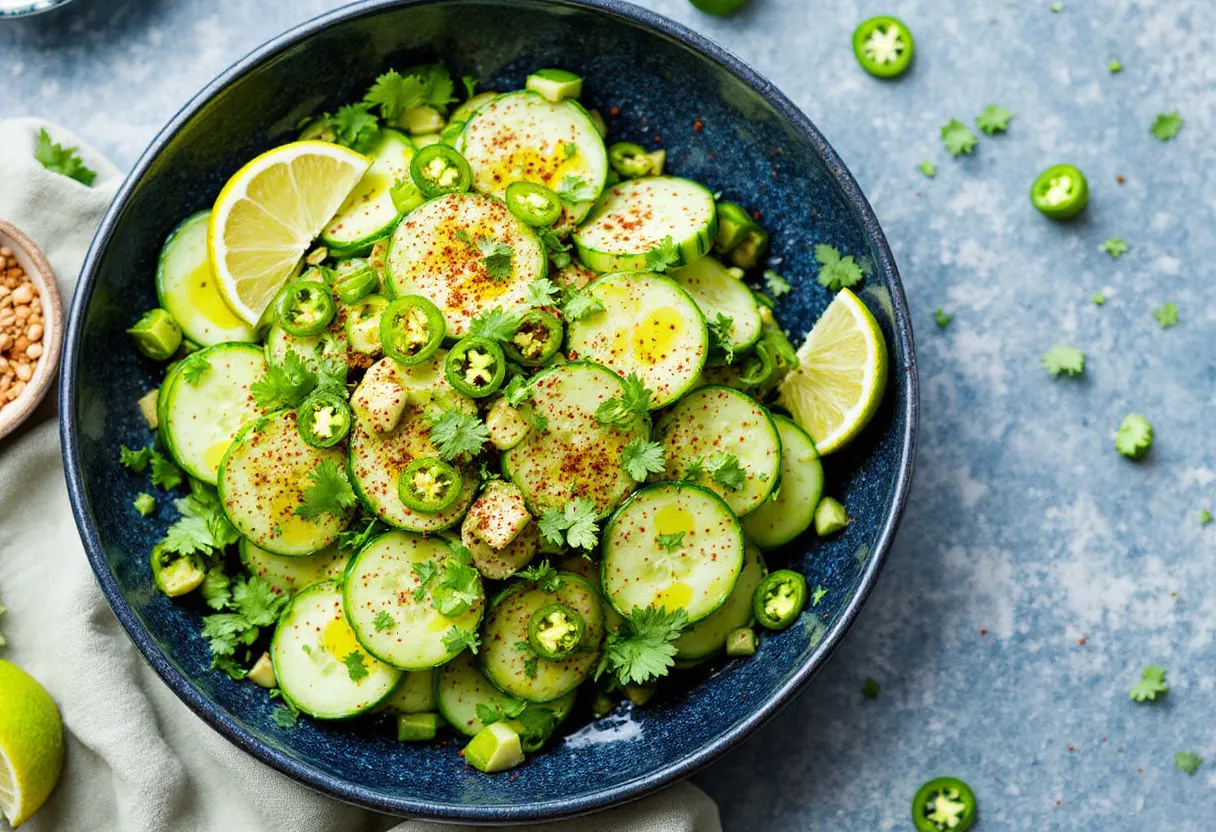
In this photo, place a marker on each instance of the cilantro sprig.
(623, 410)
(572, 526)
(1151, 685)
(663, 256)
(641, 649)
(958, 138)
(458, 435)
(1134, 436)
(65, 161)
(330, 492)
(1064, 360)
(1166, 126)
(993, 119)
(290, 383)
(724, 469)
(640, 458)
(836, 272)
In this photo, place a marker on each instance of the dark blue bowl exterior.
(754, 146)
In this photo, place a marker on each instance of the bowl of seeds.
(31, 327)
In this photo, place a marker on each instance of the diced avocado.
(147, 406)
(639, 695)
(741, 642)
(145, 504)
(830, 517)
(496, 747)
(418, 727)
(419, 121)
(378, 402)
(262, 672)
(175, 575)
(506, 424)
(555, 84)
(156, 335)
(498, 515)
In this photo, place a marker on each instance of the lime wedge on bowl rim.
(836, 391)
(269, 213)
(31, 744)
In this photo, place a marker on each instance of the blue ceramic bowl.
(754, 146)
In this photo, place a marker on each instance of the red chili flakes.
(614, 111)
(983, 631)
(1120, 179)
(658, 139)
(1082, 640)
(698, 125)
(757, 215)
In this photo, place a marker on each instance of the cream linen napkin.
(138, 760)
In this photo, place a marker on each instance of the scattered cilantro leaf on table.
(993, 119)
(1166, 315)
(1099, 298)
(65, 161)
(1134, 437)
(1151, 685)
(818, 594)
(1188, 762)
(927, 168)
(1115, 246)
(496, 324)
(144, 503)
(1166, 126)
(1115, 66)
(870, 689)
(1064, 360)
(1205, 517)
(942, 318)
(836, 272)
(958, 138)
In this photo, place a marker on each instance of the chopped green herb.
(641, 649)
(663, 256)
(145, 504)
(1167, 315)
(355, 667)
(1064, 360)
(1205, 517)
(194, 367)
(383, 621)
(672, 541)
(622, 411)
(459, 434)
(575, 189)
(958, 138)
(724, 469)
(777, 285)
(330, 492)
(457, 639)
(1115, 246)
(927, 168)
(579, 305)
(1188, 762)
(497, 259)
(640, 458)
(993, 119)
(870, 689)
(836, 272)
(572, 526)
(543, 575)
(1166, 126)
(1114, 67)
(284, 717)
(1099, 299)
(1151, 685)
(1134, 437)
(817, 595)
(942, 318)
(496, 324)
(65, 161)
(542, 292)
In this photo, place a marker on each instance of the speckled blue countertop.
(1036, 571)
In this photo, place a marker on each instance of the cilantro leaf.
(569, 149)
(836, 272)
(1205, 517)
(203, 528)
(580, 305)
(1134, 437)
(575, 189)
(194, 367)
(330, 492)
(457, 588)
(144, 503)
(663, 256)
(1115, 246)
(355, 127)
(497, 259)
(216, 589)
(1188, 762)
(457, 639)
(694, 470)
(958, 138)
(672, 541)
(777, 285)
(724, 469)
(284, 717)
(927, 168)
(458, 434)
(541, 292)
(641, 649)
(355, 539)
(942, 318)
(870, 689)
(818, 594)
(394, 93)
(62, 160)
(572, 526)
(224, 631)
(1167, 315)
(1115, 66)
(256, 601)
(1064, 360)
(1099, 298)
(355, 667)
(383, 621)
(517, 391)
(621, 411)
(137, 461)
(640, 458)
(559, 252)
(470, 86)
(496, 324)
(165, 473)
(543, 574)
(719, 336)
(1166, 126)
(1151, 685)
(993, 119)
(531, 666)
(499, 709)
(284, 385)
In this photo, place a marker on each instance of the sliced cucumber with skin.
(636, 216)
(414, 694)
(382, 579)
(718, 292)
(437, 252)
(310, 349)
(791, 508)
(505, 654)
(199, 420)
(377, 460)
(288, 574)
(650, 326)
(523, 136)
(575, 456)
(696, 575)
(310, 650)
(369, 213)
(186, 288)
(714, 421)
(460, 687)
(708, 636)
(262, 481)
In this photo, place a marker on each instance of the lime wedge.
(31, 744)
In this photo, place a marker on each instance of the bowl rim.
(637, 787)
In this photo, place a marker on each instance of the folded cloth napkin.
(137, 758)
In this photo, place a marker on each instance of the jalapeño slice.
(306, 308)
(537, 340)
(439, 169)
(534, 204)
(779, 599)
(323, 419)
(411, 329)
(883, 46)
(944, 804)
(475, 366)
(1061, 192)
(555, 631)
(429, 485)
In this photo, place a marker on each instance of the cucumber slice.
(697, 573)
(708, 636)
(369, 213)
(290, 574)
(262, 481)
(310, 650)
(199, 419)
(637, 216)
(717, 292)
(575, 456)
(383, 578)
(460, 687)
(187, 290)
(788, 512)
(650, 326)
(310, 349)
(708, 426)
(458, 279)
(414, 694)
(522, 136)
(506, 658)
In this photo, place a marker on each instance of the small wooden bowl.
(34, 263)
